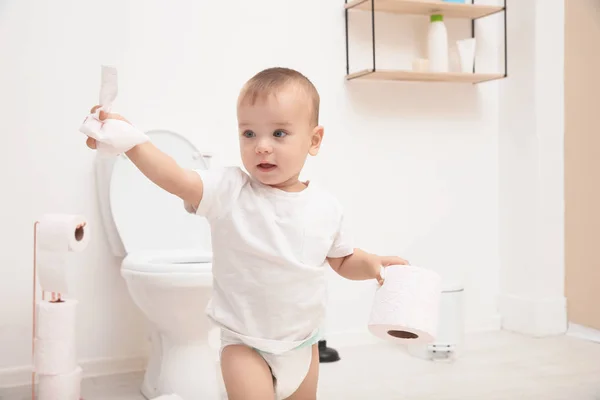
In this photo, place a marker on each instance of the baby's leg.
(246, 374)
(308, 388)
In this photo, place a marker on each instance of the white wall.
(416, 165)
(531, 147)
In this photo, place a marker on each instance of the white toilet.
(167, 268)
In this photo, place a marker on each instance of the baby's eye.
(279, 133)
(248, 134)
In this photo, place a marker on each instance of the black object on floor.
(327, 354)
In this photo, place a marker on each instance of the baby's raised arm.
(166, 173)
(160, 168)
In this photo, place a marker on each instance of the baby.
(272, 236)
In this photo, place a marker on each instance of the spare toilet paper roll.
(60, 387)
(54, 357)
(58, 235)
(406, 306)
(56, 321)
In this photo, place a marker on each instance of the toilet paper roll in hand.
(58, 235)
(112, 136)
(61, 387)
(56, 320)
(406, 306)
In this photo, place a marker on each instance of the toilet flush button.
(204, 157)
(198, 155)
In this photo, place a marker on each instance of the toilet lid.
(148, 217)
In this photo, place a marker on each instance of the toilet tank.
(136, 214)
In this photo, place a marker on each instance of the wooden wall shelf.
(427, 7)
(411, 76)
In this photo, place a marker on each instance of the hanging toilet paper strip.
(109, 87)
(113, 137)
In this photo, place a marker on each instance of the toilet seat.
(169, 261)
(170, 269)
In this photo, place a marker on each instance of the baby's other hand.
(386, 261)
(91, 142)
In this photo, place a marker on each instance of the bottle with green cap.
(437, 44)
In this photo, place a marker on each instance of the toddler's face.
(276, 136)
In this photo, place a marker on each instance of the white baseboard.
(350, 339)
(583, 332)
(21, 376)
(534, 316)
(490, 324)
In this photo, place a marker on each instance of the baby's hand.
(386, 261)
(91, 142)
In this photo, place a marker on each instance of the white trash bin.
(450, 332)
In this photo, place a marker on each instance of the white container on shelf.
(437, 44)
(466, 53)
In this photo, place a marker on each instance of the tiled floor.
(493, 366)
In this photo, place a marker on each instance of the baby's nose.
(264, 148)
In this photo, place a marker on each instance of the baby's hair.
(271, 80)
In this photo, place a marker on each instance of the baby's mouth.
(266, 167)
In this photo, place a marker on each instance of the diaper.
(288, 369)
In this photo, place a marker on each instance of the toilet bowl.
(166, 264)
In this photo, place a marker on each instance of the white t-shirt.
(269, 257)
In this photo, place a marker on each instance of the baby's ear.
(316, 140)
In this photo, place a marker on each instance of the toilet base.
(190, 370)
